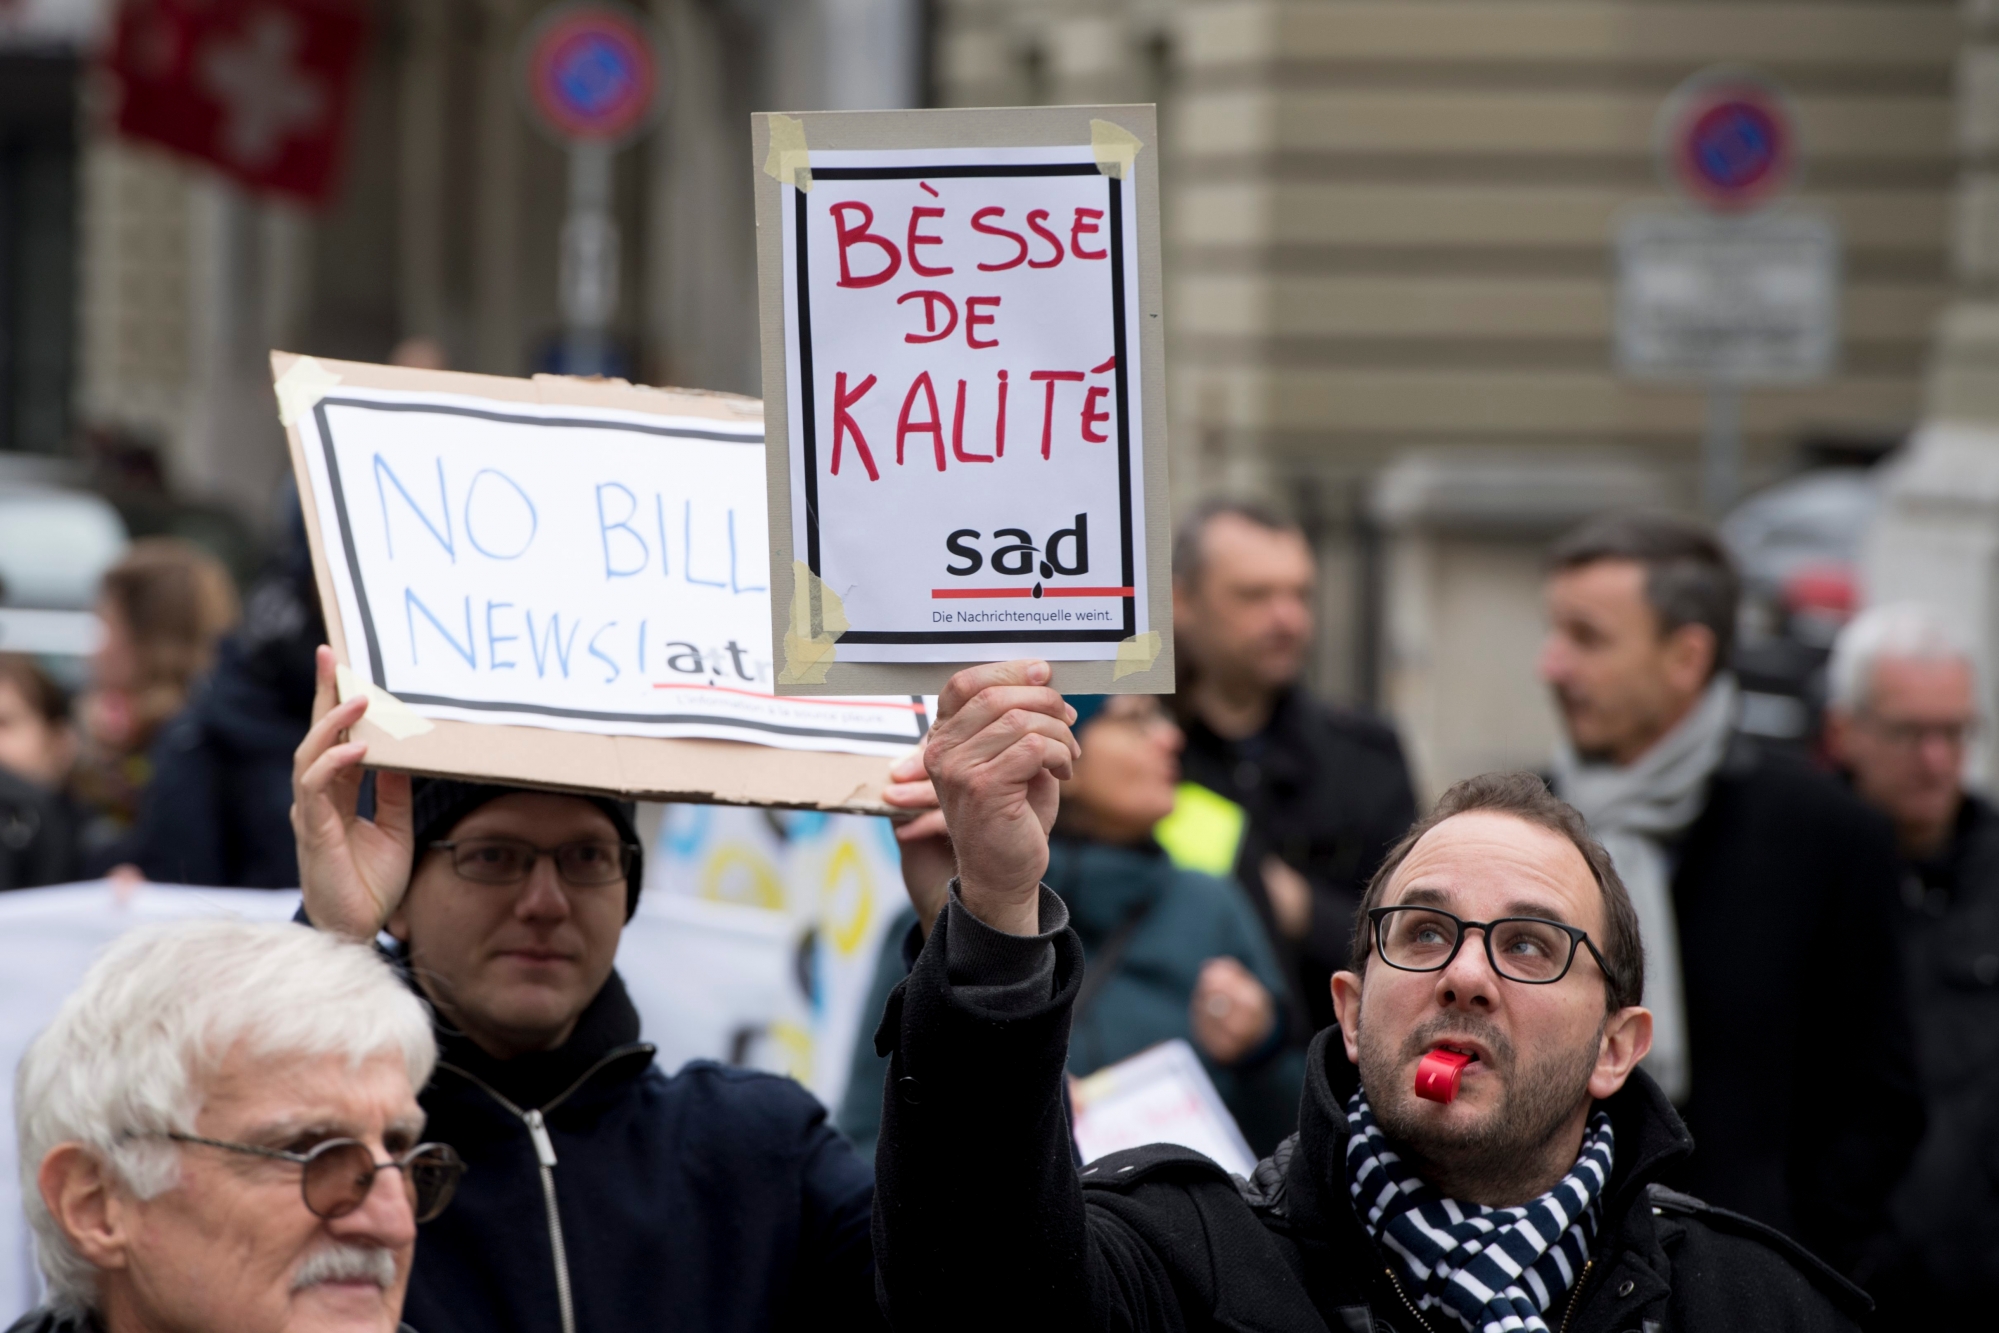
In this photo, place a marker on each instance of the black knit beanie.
(439, 803)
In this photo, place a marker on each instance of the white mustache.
(346, 1263)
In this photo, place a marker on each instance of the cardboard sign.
(564, 583)
(962, 360)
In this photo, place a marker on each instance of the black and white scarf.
(1496, 1270)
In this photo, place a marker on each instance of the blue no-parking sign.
(592, 74)
(1726, 139)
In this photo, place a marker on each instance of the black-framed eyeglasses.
(336, 1175)
(1527, 949)
(506, 861)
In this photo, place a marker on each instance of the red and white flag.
(260, 88)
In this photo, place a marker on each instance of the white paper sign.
(962, 345)
(1160, 1095)
(583, 569)
(1750, 300)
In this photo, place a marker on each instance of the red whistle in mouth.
(1437, 1075)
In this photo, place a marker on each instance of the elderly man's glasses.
(339, 1173)
(1905, 735)
(506, 861)
(1526, 949)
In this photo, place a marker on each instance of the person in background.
(1311, 796)
(1171, 952)
(1751, 875)
(164, 607)
(1903, 709)
(602, 1193)
(38, 824)
(220, 1131)
(218, 810)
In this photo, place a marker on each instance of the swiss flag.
(260, 88)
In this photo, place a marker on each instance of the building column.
(246, 290)
(497, 340)
(422, 85)
(1936, 537)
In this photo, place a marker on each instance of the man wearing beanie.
(600, 1193)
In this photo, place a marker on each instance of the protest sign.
(1160, 1095)
(963, 350)
(564, 583)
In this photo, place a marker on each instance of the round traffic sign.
(1727, 140)
(592, 73)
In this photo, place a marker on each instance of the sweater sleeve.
(835, 1281)
(979, 1218)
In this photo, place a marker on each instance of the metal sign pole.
(589, 261)
(1739, 289)
(1721, 447)
(591, 74)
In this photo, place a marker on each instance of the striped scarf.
(1495, 1270)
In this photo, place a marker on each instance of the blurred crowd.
(1821, 925)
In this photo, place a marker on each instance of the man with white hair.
(220, 1132)
(1902, 710)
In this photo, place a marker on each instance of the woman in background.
(164, 606)
(1168, 952)
(38, 823)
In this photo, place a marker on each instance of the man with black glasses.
(1523, 1193)
(601, 1195)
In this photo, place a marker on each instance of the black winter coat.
(1327, 792)
(39, 835)
(218, 809)
(716, 1199)
(981, 1221)
(1803, 1094)
(1946, 1211)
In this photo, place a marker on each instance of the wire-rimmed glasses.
(336, 1175)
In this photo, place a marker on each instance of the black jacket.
(1327, 792)
(715, 1199)
(218, 809)
(1803, 1092)
(982, 1222)
(1946, 1211)
(39, 835)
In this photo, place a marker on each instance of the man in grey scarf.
(1754, 879)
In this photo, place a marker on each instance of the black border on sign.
(809, 424)
(375, 669)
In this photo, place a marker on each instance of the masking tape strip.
(789, 160)
(300, 387)
(1115, 147)
(808, 651)
(1136, 654)
(384, 709)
